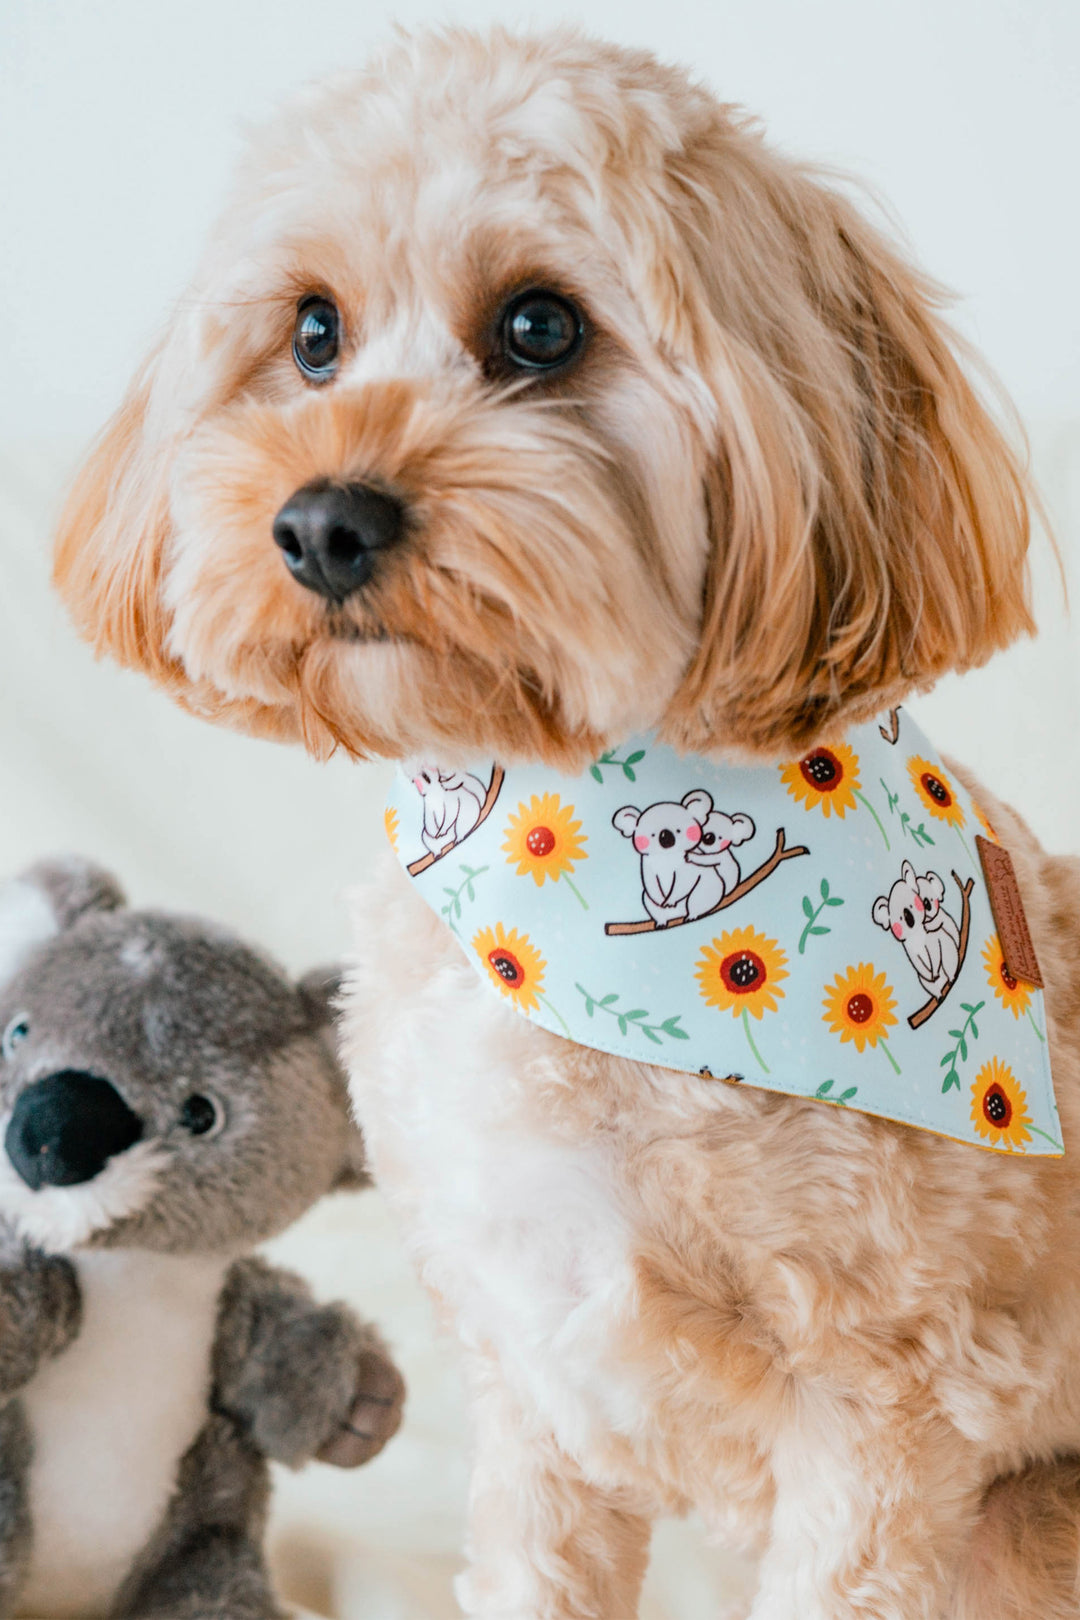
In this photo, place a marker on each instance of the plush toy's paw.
(373, 1418)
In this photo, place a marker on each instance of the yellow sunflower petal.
(825, 779)
(544, 839)
(741, 971)
(985, 823)
(513, 963)
(1014, 996)
(999, 1106)
(935, 790)
(859, 1006)
(390, 822)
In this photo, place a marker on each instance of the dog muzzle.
(843, 927)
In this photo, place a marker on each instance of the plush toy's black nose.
(330, 534)
(64, 1129)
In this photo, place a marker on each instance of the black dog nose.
(65, 1128)
(329, 535)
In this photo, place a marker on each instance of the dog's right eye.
(316, 338)
(541, 330)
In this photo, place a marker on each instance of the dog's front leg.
(543, 1543)
(873, 1512)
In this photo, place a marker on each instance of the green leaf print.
(959, 1052)
(626, 765)
(824, 1093)
(918, 834)
(453, 907)
(812, 913)
(634, 1018)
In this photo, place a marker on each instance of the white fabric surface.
(93, 760)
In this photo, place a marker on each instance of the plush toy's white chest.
(110, 1419)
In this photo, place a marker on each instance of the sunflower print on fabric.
(860, 1007)
(999, 1107)
(545, 841)
(657, 960)
(514, 964)
(391, 823)
(826, 779)
(984, 822)
(741, 973)
(935, 790)
(1014, 996)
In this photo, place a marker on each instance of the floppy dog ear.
(881, 912)
(113, 532)
(110, 553)
(868, 520)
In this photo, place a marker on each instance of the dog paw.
(374, 1417)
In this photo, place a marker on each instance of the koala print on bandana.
(820, 927)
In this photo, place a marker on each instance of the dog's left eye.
(316, 338)
(540, 330)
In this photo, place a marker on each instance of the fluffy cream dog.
(573, 410)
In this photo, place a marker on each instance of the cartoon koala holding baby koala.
(687, 866)
(168, 1100)
(913, 913)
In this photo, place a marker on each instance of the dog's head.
(526, 398)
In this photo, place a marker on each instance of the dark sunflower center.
(742, 972)
(540, 842)
(997, 1107)
(1006, 978)
(860, 1007)
(822, 770)
(508, 967)
(936, 789)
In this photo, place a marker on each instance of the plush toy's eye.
(15, 1034)
(541, 330)
(316, 338)
(202, 1115)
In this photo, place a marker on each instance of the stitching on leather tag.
(1008, 909)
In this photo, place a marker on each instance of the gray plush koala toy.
(168, 1099)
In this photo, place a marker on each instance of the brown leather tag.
(1008, 909)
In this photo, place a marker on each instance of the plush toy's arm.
(40, 1311)
(302, 1380)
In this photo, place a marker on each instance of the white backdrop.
(118, 123)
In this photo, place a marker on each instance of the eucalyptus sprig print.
(918, 834)
(636, 1018)
(626, 765)
(453, 907)
(812, 913)
(842, 1098)
(959, 1052)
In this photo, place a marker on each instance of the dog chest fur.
(111, 1417)
(525, 1235)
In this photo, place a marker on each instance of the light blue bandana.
(820, 928)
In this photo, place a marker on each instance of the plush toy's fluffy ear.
(320, 990)
(46, 899)
(354, 1173)
(869, 521)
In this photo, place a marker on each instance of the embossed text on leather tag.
(1008, 909)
